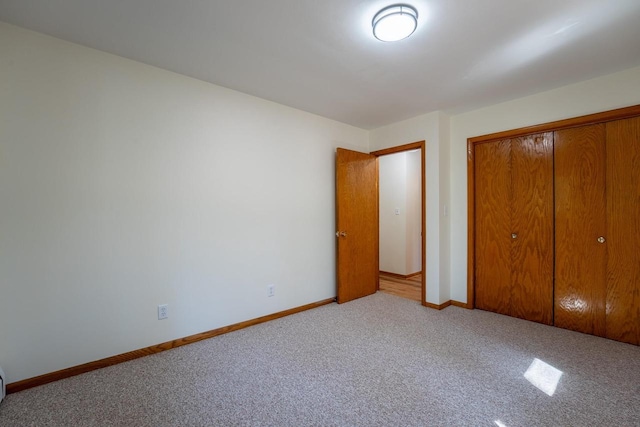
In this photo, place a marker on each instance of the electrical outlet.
(163, 311)
(271, 290)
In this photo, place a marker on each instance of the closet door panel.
(532, 226)
(493, 226)
(623, 235)
(580, 209)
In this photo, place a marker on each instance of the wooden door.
(493, 196)
(532, 228)
(580, 206)
(623, 230)
(357, 224)
(514, 227)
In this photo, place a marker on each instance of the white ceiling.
(320, 56)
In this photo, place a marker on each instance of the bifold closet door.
(581, 226)
(514, 227)
(623, 230)
(532, 224)
(493, 195)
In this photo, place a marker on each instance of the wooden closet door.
(623, 230)
(580, 206)
(532, 227)
(493, 226)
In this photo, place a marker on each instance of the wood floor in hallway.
(410, 288)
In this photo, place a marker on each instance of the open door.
(357, 224)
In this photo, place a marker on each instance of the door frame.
(421, 145)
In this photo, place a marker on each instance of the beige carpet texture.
(378, 361)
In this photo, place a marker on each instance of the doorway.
(402, 241)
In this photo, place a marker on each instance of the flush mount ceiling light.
(395, 22)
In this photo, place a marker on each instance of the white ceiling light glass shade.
(395, 22)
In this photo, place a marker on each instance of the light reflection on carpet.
(544, 376)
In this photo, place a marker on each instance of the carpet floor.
(378, 361)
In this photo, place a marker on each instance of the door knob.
(514, 236)
(341, 234)
(601, 239)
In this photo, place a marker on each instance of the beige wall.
(393, 227)
(413, 240)
(124, 186)
(400, 241)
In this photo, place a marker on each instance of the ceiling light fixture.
(395, 22)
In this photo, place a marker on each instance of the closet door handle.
(514, 236)
(601, 239)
